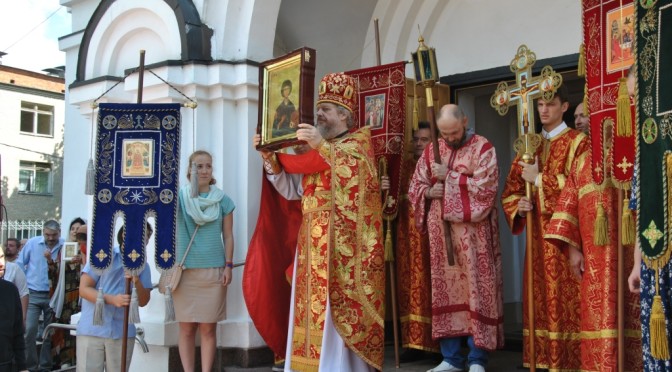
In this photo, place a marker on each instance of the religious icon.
(620, 38)
(286, 90)
(69, 251)
(374, 107)
(137, 158)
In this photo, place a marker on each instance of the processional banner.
(382, 107)
(608, 35)
(137, 164)
(654, 124)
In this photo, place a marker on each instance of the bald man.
(581, 121)
(459, 194)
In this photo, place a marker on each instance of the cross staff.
(523, 94)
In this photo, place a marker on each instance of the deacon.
(585, 221)
(556, 287)
(337, 307)
(413, 264)
(466, 297)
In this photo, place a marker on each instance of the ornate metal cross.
(526, 90)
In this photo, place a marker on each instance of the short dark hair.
(424, 125)
(15, 240)
(562, 93)
(286, 83)
(78, 220)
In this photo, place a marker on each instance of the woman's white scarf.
(202, 209)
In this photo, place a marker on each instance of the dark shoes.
(280, 366)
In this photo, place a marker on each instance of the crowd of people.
(448, 255)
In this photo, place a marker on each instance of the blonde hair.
(191, 159)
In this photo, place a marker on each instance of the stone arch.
(194, 36)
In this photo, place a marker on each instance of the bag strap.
(189, 246)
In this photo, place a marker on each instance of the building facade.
(32, 109)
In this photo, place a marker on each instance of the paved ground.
(500, 361)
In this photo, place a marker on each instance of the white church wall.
(478, 34)
(226, 119)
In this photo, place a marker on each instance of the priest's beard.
(457, 144)
(327, 131)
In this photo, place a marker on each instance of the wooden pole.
(620, 288)
(390, 264)
(529, 268)
(127, 287)
(431, 118)
(124, 340)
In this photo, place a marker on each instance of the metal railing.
(20, 229)
(139, 333)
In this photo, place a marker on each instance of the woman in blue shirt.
(200, 298)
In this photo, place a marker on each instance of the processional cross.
(523, 94)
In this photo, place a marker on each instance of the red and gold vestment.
(466, 297)
(414, 286)
(339, 251)
(573, 224)
(556, 290)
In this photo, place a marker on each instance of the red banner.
(608, 35)
(382, 106)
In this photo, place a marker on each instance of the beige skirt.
(200, 296)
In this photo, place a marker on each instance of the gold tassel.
(389, 254)
(582, 60)
(416, 113)
(659, 347)
(623, 113)
(627, 224)
(600, 234)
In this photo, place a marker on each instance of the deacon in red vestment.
(572, 228)
(414, 288)
(338, 285)
(556, 289)
(466, 297)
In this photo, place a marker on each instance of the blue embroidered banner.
(137, 165)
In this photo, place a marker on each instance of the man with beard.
(459, 195)
(12, 247)
(338, 281)
(39, 257)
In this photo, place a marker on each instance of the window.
(37, 119)
(35, 177)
